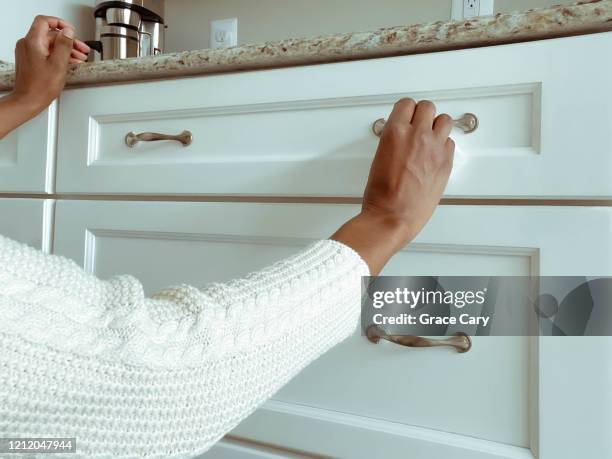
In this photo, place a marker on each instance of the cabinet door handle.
(468, 123)
(460, 341)
(132, 139)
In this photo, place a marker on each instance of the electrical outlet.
(224, 33)
(471, 8)
(465, 9)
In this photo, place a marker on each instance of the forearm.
(14, 111)
(194, 362)
(376, 238)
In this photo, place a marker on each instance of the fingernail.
(68, 33)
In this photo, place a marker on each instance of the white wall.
(17, 17)
(269, 20)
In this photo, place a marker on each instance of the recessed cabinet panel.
(308, 130)
(8, 149)
(27, 155)
(192, 258)
(276, 132)
(231, 450)
(25, 220)
(487, 403)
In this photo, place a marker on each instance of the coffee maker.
(128, 28)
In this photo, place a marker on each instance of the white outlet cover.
(487, 8)
(224, 33)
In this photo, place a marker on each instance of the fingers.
(42, 25)
(450, 144)
(449, 151)
(21, 43)
(443, 125)
(78, 56)
(424, 114)
(403, 111)
(80, 51)
(82, 47)
(62, 50)
(406, 111)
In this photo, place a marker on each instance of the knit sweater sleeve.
(169, 375)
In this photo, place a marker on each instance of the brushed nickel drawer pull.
(132, 139)
(468, 123)
(460, 341)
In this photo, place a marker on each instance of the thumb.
(62, 48)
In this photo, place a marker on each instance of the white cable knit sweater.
(165, 376)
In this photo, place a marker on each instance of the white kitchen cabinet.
(544, 128)
(233, 450)
(27, 220)
(27, 155)
(508, 397)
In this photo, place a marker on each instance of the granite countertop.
(6, 66)
(582, 18)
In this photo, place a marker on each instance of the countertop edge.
(559, 21)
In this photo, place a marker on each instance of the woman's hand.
(42, 58)
(407, 178)
(41, 62)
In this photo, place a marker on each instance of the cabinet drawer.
(232, 450)
(306, 131)
(365, 400)
(27, 155)
(26, 220)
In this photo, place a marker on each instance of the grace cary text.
(426, 319)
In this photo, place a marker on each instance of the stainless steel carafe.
(128, 28)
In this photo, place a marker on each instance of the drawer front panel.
(307, 130)
(232, 450)
(276, 132)
(27, 155)
(474, 405)
(26, 220)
